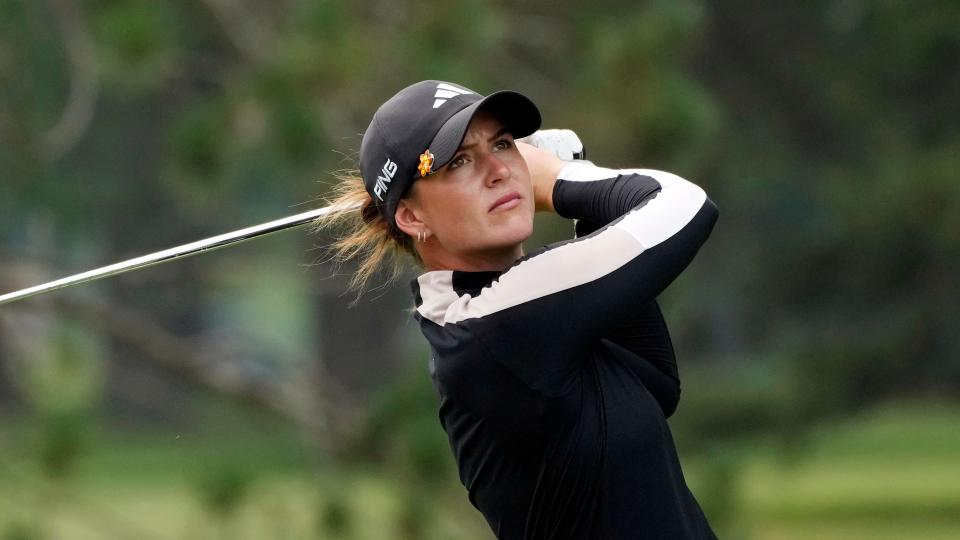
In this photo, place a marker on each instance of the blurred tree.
(827, 131)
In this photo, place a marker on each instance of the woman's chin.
(515, 234)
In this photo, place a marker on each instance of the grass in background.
(890, 473)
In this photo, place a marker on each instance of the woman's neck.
(486, 261)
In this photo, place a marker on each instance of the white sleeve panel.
(664, 215)
(556, 270)
(574, 263)
(584, 171)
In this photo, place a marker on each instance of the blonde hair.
(364, 234)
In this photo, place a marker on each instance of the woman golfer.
(555, 369)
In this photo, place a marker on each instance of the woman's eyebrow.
(501, 132)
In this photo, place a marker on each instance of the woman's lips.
(506, 202)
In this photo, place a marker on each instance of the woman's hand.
(544, 168)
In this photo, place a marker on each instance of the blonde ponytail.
(364, 234)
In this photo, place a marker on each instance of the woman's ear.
(408, 218)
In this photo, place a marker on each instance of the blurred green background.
(236, 395)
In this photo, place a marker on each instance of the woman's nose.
(497, 170)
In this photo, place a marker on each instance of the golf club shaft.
(179, 252)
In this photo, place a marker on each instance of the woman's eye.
(457, 162)
(503, 144)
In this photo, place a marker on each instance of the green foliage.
(65, 373)
(65, 436)
(223, 486)
(403, 432)
(827, 132)
(62, 381)
(335, 518)
(138, 42)
(887, 473)
(196, 140)
(20, 531)
(297, 131)
(135, 31)
(717, 490)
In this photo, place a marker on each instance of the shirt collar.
(460, 281)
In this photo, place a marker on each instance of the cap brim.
(515, 110)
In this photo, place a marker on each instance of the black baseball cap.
(419, 130)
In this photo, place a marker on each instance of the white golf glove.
(562, 142)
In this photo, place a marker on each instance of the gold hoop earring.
(421, 236)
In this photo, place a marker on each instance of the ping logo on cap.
(446, 91)
(387, 172)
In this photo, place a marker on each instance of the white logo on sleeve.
(446, 91)
(384, 178)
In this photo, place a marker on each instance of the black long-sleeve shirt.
(556, 376)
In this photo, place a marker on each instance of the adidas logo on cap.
(446, 91)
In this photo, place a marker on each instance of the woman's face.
(480, 206)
